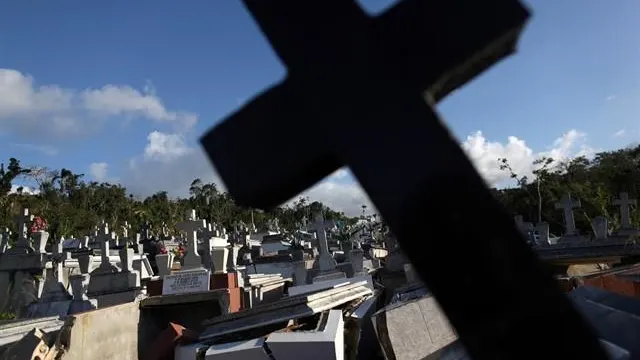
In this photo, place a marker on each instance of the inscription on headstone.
(183, 282)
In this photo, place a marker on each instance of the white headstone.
(104, 237)
(625, 214)
(567, 205)
(191, 259)
(164, 262)
(183, 282)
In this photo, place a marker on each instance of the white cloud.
(170, 163)
(31, 111)
(126, 101)
(26, 190)
(610, 97)
(165, 147)
(44, 149)
(619, 133)
(99, 171)
(485, 154)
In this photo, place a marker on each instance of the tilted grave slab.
(363, 80)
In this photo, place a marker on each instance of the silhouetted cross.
(354, 95)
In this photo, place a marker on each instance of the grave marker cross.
(191, 228)
(567, 204)
(363, 78)
(325, 261)
(104, 237)
(23, 221)
(625, 215)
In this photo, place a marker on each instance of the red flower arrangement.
(38, 224)
(179, 251)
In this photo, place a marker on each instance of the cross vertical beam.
(567, 204)
(625, 214)
(350, 73)
(23, 221)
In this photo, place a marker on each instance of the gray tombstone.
(567, 205)
(543, 233)
(625, 214)
(191, 227)
(600, 227)
(326, 262)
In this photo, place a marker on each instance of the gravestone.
(188, 281)
(524, 226)
(567, 205)
(164, 262)
(356, 258)
(542, 229)
(22, 245)
(104, 239)
(624, 202)
(326, 263)
(366, 76)
(4, 240)
(191, 227)
(111, 285)
(600, 226)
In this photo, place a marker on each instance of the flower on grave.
(163, 250)
(179, 251)
(38, 224)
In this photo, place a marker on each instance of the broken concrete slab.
(15, 330)
(414, 329)
(292, 307)
(333, 283)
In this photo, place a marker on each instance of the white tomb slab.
(186, 281)
(335, 283)
(325, 344)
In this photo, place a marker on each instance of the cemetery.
(300, 281)
(89, 272)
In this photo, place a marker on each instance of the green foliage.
(73, 206)
(596, 182)
(7, 316)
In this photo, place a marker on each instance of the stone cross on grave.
(125, 230)
(359, 78)
(4, 240)
(567, 205)
(191, 227)
(23, 221)
(326, 262)
(625, 214)
(105, 238)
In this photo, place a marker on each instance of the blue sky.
(121, 90)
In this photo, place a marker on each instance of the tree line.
(73, 206)
(596, 182)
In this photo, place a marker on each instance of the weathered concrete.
(109, 333)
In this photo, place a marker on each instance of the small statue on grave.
(145, 230)
(165, 230)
